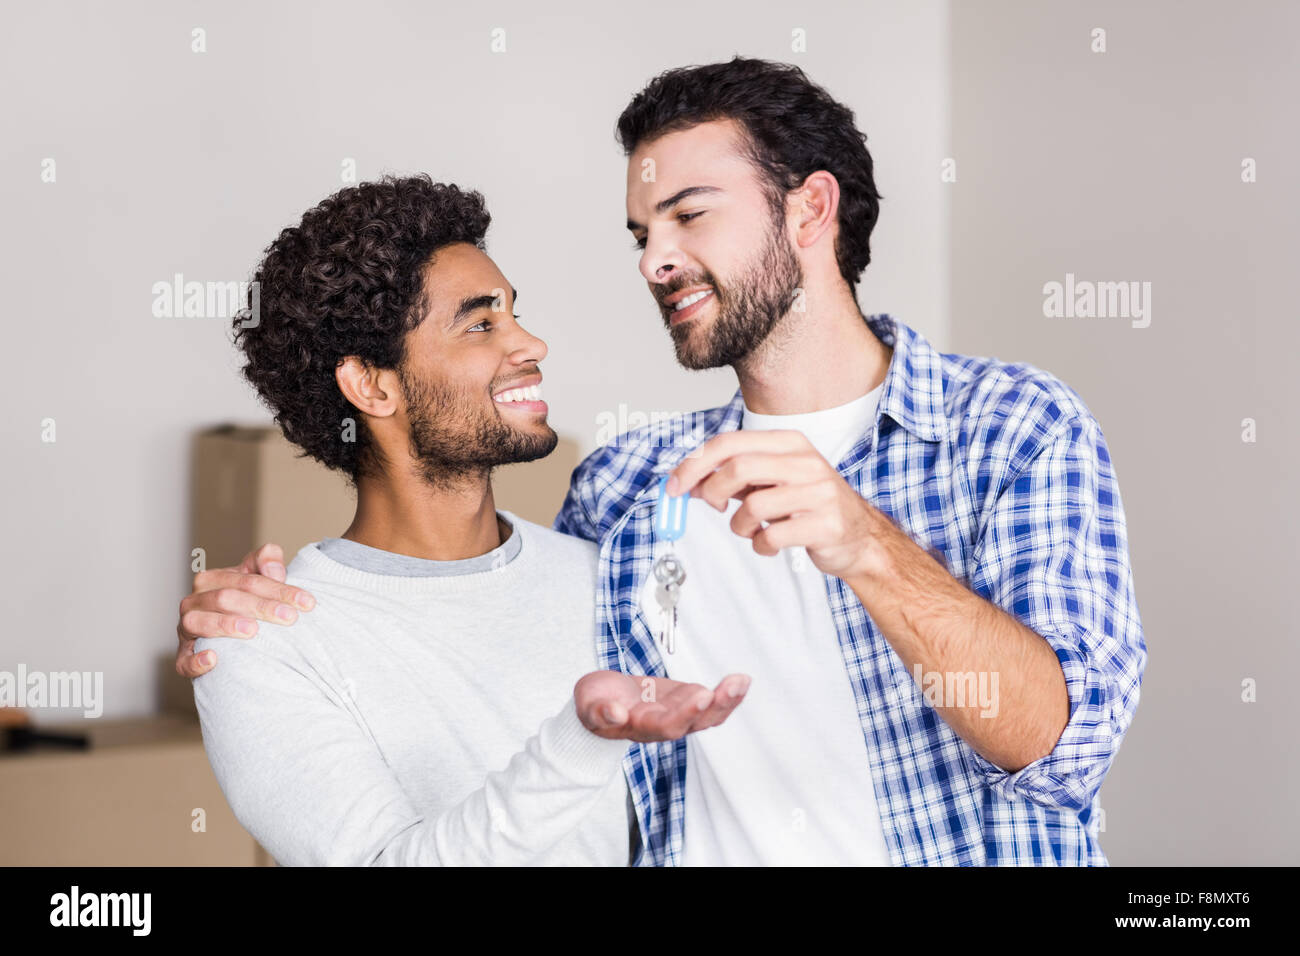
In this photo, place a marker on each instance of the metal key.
(669, 525)
(670, 575)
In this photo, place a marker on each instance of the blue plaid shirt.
(1000, 470)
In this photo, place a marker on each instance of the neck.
(407, 516)
(816, 359)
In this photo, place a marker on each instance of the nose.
(660, 260)
(525, 347)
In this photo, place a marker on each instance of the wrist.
(878, 556)
(586, 754)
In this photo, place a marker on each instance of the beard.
(749, 308)
(454, 438)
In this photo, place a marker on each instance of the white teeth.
(692, 299)
(533, 393)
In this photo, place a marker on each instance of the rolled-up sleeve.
(1053, 552)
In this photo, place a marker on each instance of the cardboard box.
(249, 486)
(143, 795)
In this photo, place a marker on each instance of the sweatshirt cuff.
(584, 756)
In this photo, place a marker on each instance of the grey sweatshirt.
(422, 716)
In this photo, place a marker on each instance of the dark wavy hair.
(793, 126)
(347, 280)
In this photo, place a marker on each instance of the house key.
(670, 574)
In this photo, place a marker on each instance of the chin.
(689, 353)
(533, 444)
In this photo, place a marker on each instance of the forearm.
(550, 787)
(951, 639)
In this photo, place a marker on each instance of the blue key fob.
(670, 513)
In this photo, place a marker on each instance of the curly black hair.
(794, 128)
(347, 280)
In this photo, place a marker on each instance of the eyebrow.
(664, 205)
(472, 303)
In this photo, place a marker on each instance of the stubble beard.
(749, 308)
(454, 440)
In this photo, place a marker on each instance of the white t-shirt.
(785, 781)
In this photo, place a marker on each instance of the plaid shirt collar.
(913, 394)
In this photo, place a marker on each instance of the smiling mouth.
(690, 306)
(527, 397)
(530, 393)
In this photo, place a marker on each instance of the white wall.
(1126, 165)
(170, 161)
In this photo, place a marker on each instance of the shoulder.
(563, 552)
(282, 647)
(557, 571)
(1008, 412)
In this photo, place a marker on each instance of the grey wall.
(1126, 165)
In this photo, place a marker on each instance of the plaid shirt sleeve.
(1053, 552)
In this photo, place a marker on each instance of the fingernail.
(284, 612)
(245, 626)
(305, 601)
(206, 658)
(671, 487)
(703, 703)
(275, 569)
(739, 689)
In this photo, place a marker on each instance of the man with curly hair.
(921, 558)
(411, 718)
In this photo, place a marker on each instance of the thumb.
(602, 714)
